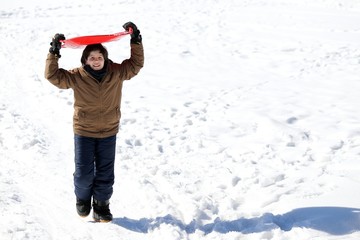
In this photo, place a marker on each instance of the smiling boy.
(97, 87)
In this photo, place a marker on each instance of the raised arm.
(132, 66)
(57, 76)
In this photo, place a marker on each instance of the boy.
(97, 87)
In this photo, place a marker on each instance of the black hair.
(93, 47)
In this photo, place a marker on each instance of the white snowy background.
(243, 124)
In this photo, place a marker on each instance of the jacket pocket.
(79, 114)
(85, 119)
(113, 116)
(118, 113)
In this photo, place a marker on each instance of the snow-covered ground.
(243, 124)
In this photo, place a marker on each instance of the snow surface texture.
(243, 124)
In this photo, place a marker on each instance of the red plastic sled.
(78, 42)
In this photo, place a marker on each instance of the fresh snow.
(243, 124)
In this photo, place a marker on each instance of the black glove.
(135, 36)
(56, 44)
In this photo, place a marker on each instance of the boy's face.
(95, 60)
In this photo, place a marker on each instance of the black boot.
(83, 207)
(101, 211)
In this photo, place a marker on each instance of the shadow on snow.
(332, 220)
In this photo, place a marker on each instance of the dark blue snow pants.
(94, 167)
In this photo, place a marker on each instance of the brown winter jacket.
(96, 105)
